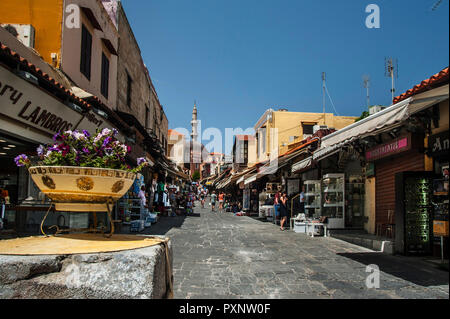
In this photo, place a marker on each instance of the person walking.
(213, 201)
(302, 200)
(143, 203)
(283, 210)
(276, 206)
(202, 198)
(221, 198)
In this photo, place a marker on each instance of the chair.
(387, 229)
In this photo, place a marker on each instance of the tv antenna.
(436, 5)
(366, 81)
(391, 71)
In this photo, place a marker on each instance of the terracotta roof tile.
(425, 85)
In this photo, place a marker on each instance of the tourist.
(143, 202)
(283, 210)
(302, 200)
(221, 198)
(213, 201)
(276, 205)
(202, 198)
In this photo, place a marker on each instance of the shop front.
(438, 145)
(29, 116)
(403, 208)
(335, 188)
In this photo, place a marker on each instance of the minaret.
(194, 124)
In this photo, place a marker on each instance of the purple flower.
(86, 150)
(79, 136)
(106, 131)
(109, 151)
(115, 132)
(22, 160)
(40, 150)
(141, 160)
(107, 141)
(86, 133)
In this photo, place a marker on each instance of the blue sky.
(238, 58)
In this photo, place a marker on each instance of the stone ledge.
(131, 274)
(380, 245)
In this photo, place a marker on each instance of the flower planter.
(82, 189)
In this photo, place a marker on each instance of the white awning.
(371, 125)
(389, 116)
(251, 179)
(424, 100)
(387, 119)
(240, 180)
(302, 164)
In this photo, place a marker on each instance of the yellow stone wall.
(45, 16)
(290, 124)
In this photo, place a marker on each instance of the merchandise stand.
(109, 203)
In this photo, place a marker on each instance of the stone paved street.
(224, 256)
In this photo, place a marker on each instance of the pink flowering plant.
(102, 150)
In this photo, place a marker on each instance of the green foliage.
(196, 176)
(363, 116)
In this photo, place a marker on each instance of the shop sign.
(440, 228)
(439, 144)
(396, 146)
(26, 103)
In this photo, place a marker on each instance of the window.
(308, 129)
(242, 152)
(86, 51)
(129, 83)
(105, 76)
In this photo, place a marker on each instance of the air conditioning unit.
(375, 109)
(319, 127)
(25, 33)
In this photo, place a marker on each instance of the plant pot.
(82, 189)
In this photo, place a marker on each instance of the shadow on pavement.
(162, 227)
(412, 269)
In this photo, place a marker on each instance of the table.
(293, 220)
(311, 233)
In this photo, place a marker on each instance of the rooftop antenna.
(436, 5)
(323, 94)
(391, 71)
(366, 80)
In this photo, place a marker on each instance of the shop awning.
(251, 179)
(240, 180)
(424, 100)
(227, 182)
(387, 119)
(307, 162)
(369, 126)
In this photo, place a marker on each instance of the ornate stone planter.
(82, 189)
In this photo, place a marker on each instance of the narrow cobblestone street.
(219, 255)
